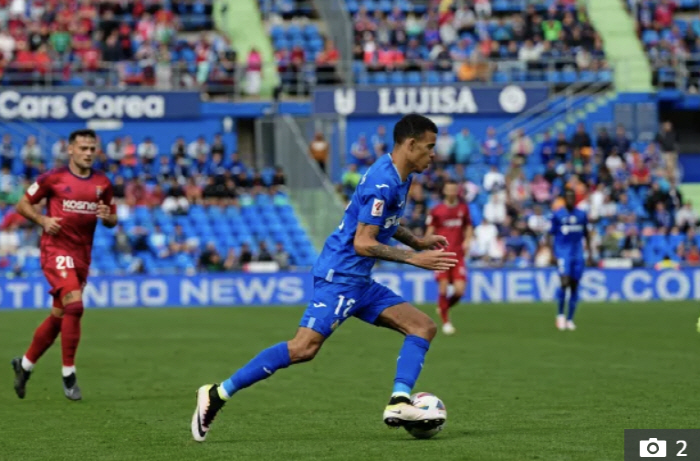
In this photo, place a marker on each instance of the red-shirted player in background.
(76, 197)
(451, 219)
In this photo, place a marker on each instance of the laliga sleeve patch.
(33, 188)
(377, 207)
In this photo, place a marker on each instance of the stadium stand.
(401, 42)
(669, 30)
(191, 208)
(303, 55)
(629, 188)
(119, 44)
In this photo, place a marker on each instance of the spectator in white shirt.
(537, 222)
(115, 150)
(530, 52)
(59, 151)
(495, 209)
(9, 241)
(444, 145)
(485, 236)
(198, 148)
(147, 151)
(686, 216)
(614, 163)
(494, 180)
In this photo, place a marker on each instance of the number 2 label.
(64, 262)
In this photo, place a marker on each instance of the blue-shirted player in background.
(569, 229)
(344, 288)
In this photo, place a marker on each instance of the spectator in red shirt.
(664, 13)
(326, 62)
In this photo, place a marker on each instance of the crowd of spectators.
(178, 189)
(153, 43)
(471, 41)
(670, 32)
(629, 190)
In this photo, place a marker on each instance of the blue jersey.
(380, 200)
(569, 229)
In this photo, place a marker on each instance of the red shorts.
(453, 274)
(63, 273)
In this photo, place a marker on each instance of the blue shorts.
(571, 267)
(332, 303)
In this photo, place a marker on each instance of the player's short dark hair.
(450, 181)
(412, 126)
(85, 133)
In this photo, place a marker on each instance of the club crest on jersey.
(98, 191)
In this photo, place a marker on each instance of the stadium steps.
(560, 113)
(241, 21)
(622, 47)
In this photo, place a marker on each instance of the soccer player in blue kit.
(343, 286)
(569, 228)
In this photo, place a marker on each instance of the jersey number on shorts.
(64, 262)
(348, 305)
(560, 264)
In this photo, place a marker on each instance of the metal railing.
(281, 142)
(334, 14)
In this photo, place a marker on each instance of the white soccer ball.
(427, 401)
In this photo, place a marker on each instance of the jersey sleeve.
(374, 204)
(433, 219)
(108, 198)
(40, 189)
(467, 217)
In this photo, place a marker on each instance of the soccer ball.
(427, 401)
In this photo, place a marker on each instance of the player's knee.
(57, 312)
(72, 304)
(424, 328)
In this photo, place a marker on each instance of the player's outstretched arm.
(366, 244)
(49, 224)
(429, 242)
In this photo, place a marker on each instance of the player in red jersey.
(76, 197)
(452, 220)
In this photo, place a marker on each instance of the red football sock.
(454, 299)
(444, 306)
(70, 332)
(44, 336)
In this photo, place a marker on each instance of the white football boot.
(561, 322)
(208, 405)
(448, 329)
(404, 414)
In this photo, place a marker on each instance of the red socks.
(70, 332)
(44, 336)
(444, 307)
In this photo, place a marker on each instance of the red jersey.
(74, 199)
(451, 222)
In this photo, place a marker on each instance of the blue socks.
(410, 364)
(561, 299)
(573, 301)
(262, 366)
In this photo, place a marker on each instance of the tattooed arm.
(366, 244)
(406, 237)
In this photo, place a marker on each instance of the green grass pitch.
(515, 388)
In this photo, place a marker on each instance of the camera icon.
(652, 448)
